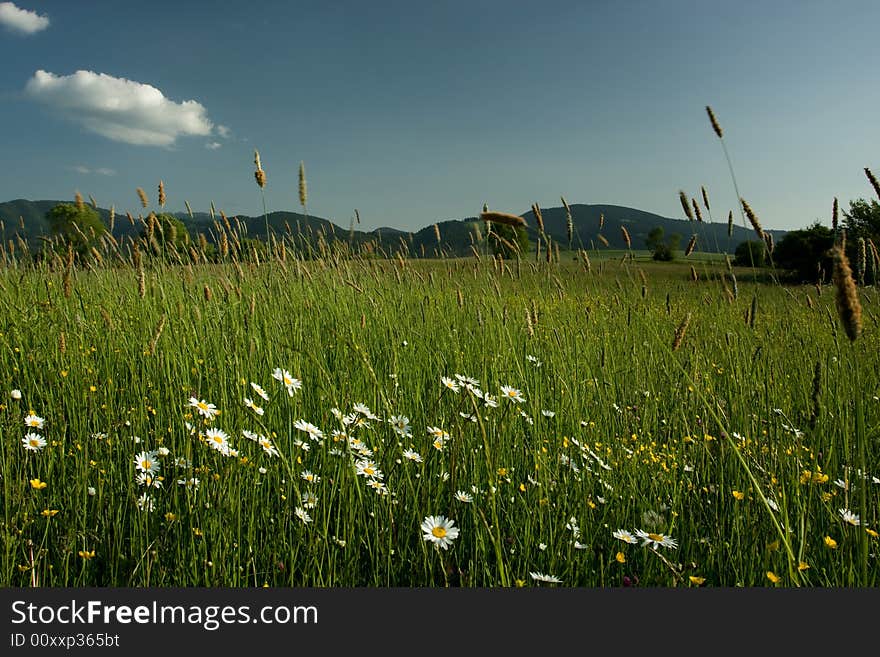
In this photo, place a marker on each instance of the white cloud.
(100, 171)
(223, 131)
(119, 109)
(213, 145)
(21, 20)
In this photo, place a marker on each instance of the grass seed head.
(849, 308)
(715, 126)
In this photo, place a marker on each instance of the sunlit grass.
(720, 447)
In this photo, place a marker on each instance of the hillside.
(26, 219)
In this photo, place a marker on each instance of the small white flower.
(542, 546)
(461, 496)
(91, 491)
(34, 422)
(548, 413)
(541, 577)
(450, 384)
(439, 530)
(15, 394)
(849, 517)
(259, 390)
(303, 515)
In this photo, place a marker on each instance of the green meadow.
(332, 419)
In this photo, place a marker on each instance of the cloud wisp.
(100, 171)
(20, 20)
(119, 109)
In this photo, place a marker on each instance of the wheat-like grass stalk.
(697, 212)
(303, 190)
(753, 219)
(78, 201)
(539, 218)
(715, 125)
(849, 308)
(730, 223)
(705, 197)
(503, 218)
(680, 332)
(569, 222)
(259, 174)
(626, 238)
(437, 232)
(602, 239)
(691, 245)
(142, 195)
(694, 276)
(873, 180)
(685, 205)
(834, 216)
(161, 194)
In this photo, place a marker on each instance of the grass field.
(622, 425)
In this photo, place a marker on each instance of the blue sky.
(415, 112)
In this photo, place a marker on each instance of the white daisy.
(656, 540)
(15, 394)
(34, 421)
(534, 361)
(148, 480)
(147, 462)
(439, 530)
(309, 500)
(489, 401)
(310, 477)
(412, 455)
(512, 394)
(203, 407)
(268, 447)
(450, 384)
(461, 496)
(625, 536)
(314, 432)
(401, 425)
(259, 390)
(541, 577)
(217, 439)
(367, 468)
(251, 405)
(849, 517)
(288, 380)
(302, 515)
(33, 442)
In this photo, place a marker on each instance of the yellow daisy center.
(203, 406)
(34, 442)
(146, 464)
(659, 538)
(439, 532)
(217, 439)
(369, 470)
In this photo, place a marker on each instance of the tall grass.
(723, 439)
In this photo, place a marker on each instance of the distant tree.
(751, 253)
(169, 232)
(514, 241)
(863, 220)
(80, 226)
(662, 250)
(805, 252)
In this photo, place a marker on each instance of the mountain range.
(27, 219)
